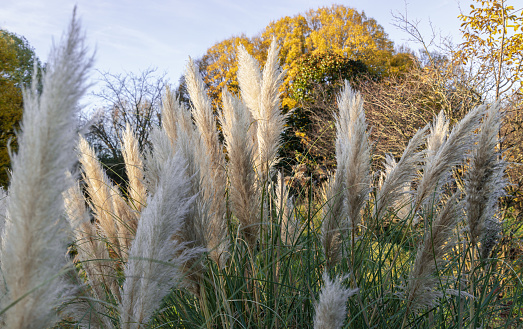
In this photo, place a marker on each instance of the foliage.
(337, 29)
(493, 48)
(316, 79)
(493, 33)
(17, 60)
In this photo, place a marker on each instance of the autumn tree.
(493, 49)
(493, 34)
(319, 76)
(17, 60)
(337, 29)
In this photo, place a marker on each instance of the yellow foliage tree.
(220, 67)
(493, 33)
(338, 29)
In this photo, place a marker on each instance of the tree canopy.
(337, 29)
(17, 60)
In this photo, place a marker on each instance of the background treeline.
(319, 49)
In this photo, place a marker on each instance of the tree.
(128, 98)
(493, 48)
(336, 29)
(17, 61)
(317, 78)
(490, 43)
(219, 67)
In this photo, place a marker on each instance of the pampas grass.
(93, 256)
(100, 190)
(244, 187)
(330, 311)
(36, 234)
(134, 168)
(400, 175)
(451, 152)
(262, 95)
(3, 209)
(156, 257)
(212, 166)
(350, 187)
(438, 239)
(204, 240)
(484, 182)
(353, 148)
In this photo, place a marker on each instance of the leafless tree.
(127, 98)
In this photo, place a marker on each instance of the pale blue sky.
(132, 35)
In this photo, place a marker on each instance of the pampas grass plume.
(437, 241)
(484, 182)
(244, 192)
(134, 168)
(36, 234)
(331, 311)
(353, 148)
(451, 152)
(156, 258)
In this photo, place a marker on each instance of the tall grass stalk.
(212, 169)
(35, 238)
(155, 258)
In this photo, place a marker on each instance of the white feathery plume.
(212, 166)
(134, 168)
(270, 121)
(3, 219)
(100, 190)
(331, 310)
(453, 151)
(156, 258)
(3, 210)
(244, 190)
(188, 145)
(438, 239)
(161, 150)
(353, 148)
(398, 176)
(484, 182)
(173, 114)
(249, 79)
(94, 257)
(438, 135)
(36, 233)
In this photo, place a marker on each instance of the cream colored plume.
(36, 233)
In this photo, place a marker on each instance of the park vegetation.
(350, 186)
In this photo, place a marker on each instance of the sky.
(133, 35)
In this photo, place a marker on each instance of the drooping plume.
(438, 239)
(451, 152)
(397, 180)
